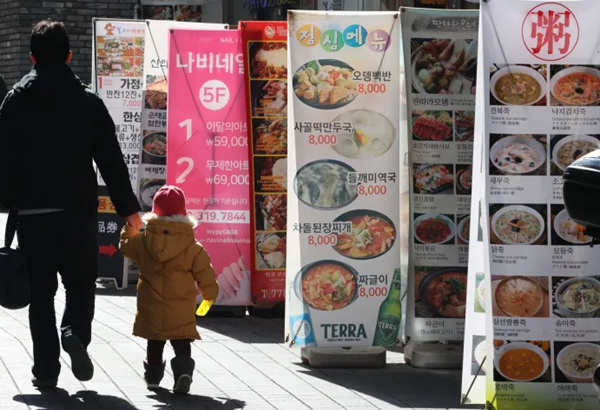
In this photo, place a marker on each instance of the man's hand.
(135, 221)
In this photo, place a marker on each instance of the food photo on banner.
(265, 62)
(541, 91)
(343, 247)
(208, 150)
(118, 55)
(440, 55)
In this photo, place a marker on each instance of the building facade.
(17, 18)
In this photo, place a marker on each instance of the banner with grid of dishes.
(343, 281)
(265, 59)
(542, 90)
(476, 361)
(440, 52)
(153, 150)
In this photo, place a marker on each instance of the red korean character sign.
(550, 31)
(208, 149)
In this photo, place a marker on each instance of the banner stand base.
(344, 357)
(434, 355)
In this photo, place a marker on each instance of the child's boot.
(153, 374)
(183, 369)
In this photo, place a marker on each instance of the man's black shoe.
(81, 365)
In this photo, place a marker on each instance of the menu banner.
(265, 61)
(475, 359)
(542, 91)
(343, 276)
(208, 149)
(117, 73)
(153, 149)
(440, 53)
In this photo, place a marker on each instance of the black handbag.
(14, 279)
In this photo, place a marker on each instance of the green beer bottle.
(390, 315)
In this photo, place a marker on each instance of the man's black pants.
(68, 244)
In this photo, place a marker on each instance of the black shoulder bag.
(14, 280)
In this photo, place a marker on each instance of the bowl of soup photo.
(518, 85)
(327, 285)
(518, 225)
(521, 362)
(578, 361)
(372, 234)
(444, 291)
(572, 147)
(517, 155)
(578, 297)
(154, 148)
(576, 86)
(519, 296)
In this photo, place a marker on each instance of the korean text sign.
(343, 250)
(118, 62)
(208, 149)
(543, 275)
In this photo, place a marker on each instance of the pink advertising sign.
(207, 153)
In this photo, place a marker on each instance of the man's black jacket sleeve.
(8, 157)
(109, 158)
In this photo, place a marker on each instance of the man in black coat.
(52, 128)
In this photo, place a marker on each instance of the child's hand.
(134, 221)
(131, 231)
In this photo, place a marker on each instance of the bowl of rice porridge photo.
(578, 361)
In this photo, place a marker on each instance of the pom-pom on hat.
(169, 201)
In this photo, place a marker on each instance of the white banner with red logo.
(542, 96)
(208, 149)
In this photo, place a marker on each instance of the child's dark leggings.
(182, 347)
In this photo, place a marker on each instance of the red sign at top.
(550, 31)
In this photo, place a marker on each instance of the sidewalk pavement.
(241, 363)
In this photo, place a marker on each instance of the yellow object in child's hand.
(204, 307)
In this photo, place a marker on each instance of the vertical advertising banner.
(265, 56)
(440, 51)
(208, 149)
(153, 150)
(118, 67)
(343, 276)
(542, 93)
(476, 362)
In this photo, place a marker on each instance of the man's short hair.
(49, 42)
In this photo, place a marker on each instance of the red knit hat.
(169, 201)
